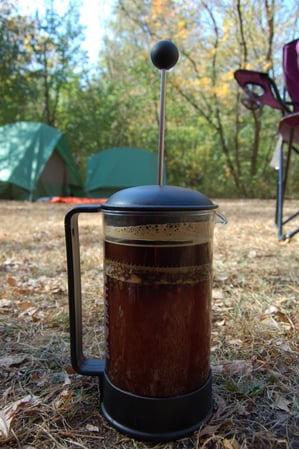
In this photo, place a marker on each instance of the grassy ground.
(44, 404)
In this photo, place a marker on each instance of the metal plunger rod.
(161, 127)
(164, 56)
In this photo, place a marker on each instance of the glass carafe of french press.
(158, 243)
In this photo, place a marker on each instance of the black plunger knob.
(164, 55)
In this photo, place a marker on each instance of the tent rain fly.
(35, 161)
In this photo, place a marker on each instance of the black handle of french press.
(80, 363)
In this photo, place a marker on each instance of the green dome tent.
(117, 168)
(35, 161)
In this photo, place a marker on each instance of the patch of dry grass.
(44, 404)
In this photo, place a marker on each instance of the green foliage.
(56, 56)
(15, 81)
(212, 142)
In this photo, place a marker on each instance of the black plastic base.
(156, 419)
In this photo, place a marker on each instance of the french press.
(156, 381)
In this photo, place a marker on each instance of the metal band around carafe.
(146, 275)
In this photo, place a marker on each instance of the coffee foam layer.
(193, 233)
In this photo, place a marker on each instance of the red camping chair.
(259, 89)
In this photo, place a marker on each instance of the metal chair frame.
(259, 89)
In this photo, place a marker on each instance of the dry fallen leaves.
(216, 442)
(8, 413)
(233, 367)
(12, 360)
(254, 354)
(282, 404)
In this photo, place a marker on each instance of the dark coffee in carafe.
(157, 299)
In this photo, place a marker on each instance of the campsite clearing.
(254, 348)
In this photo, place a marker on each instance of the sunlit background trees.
(213, 143)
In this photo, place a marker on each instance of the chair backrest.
(268, 93)
(290, 61)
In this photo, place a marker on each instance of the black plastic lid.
(155, 197)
